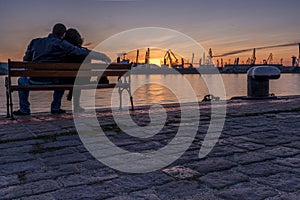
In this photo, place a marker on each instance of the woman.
(73, 37)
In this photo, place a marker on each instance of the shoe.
(60, 111)
(19, 113)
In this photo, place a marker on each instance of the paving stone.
(17, 135)
(44, 153)
(247, 191)
(75, 180)
(180, 172)
(248, 145)
(17, 150)
(140, 195)
(102, 174)
(28, 189)
(289, 162)
(268, 139)
(236, 131)
(68, 137)
(8, 180)
(130, 183)
(223, 179)
(81, 149)
(283, 152)
(294, 144)
(61, 143)
(190, 156)
(16, 158)
(289, 196)
(13, 168)
(10, 144)
(67, 168)
(102, 191)
(64, 159)
(46, 196)
(284, 182)
(50, 173)
(40, 175)
(84, 179)
(262, 169)
(224, 150)
(183, 190)
(250, 157)
(91, 164)
(208, 165)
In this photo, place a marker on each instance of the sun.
(155, 61)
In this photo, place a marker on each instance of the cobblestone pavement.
(256, 157)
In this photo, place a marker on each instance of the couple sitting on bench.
(61, 46)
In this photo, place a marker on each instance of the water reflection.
(154, 93)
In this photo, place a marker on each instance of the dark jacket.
(52, 49)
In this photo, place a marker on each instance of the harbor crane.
(137, 57)
(268, 60)
(251, 61)
(147, 56)
(173, 61)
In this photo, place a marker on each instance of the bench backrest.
(42, 69)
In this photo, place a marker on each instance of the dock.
(256, 157)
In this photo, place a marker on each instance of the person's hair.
(59, 30)
(74, 37)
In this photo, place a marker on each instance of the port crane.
(173, 60)
(147, 56)
(137, 57)
(268, 60)
(251, 61)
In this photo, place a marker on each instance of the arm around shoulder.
(99, 56)
(80, 51)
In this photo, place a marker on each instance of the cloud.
(259, 48)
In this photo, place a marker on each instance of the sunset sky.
(223, 25)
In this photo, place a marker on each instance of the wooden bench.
(70, 70)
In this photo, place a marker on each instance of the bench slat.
(57, 74)
(66, 66)
(61, 87)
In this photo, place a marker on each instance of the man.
(50, 49)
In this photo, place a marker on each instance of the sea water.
(157, 89)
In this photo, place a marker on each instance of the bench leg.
(11, 106)
(7, 105)
(120, 96)
(7, 98)
(127, 88)
(131, 101)
(121, 102)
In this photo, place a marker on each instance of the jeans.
(24, 95)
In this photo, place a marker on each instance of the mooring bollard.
(258, 81)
